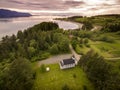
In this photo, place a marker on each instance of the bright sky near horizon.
(82, 7)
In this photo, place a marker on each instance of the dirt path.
(77, 56)
(96, 28)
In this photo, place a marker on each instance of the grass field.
(56, 78)
(106, 49)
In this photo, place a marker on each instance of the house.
(68, 63)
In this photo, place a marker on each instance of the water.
(9, 26)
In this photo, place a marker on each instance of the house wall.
(67, 66)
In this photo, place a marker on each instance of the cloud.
(40, 4)
(68, 6)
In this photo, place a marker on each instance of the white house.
(67, 63)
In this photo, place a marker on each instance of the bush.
(74, 75)
(81, 45)
(43, 68)
(40, 56)
(86, 41)
(87, 25)
(106, 39)
(87, 45)
(77, 49)
(111, 27)
(54, 49)
(65, 87)
(85, 87)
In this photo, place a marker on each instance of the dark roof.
(68, 61)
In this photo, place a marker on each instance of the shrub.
(87, 45)
(86, 41)
(106, 39)
(65, 87)
(54, 49)
(85, 87)
(74, 75)
(43, 68)
(81, 45)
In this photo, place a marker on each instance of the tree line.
(111, 27)
(99, 72)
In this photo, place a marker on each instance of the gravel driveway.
(58, 58)
(54, 59)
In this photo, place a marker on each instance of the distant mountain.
(4, 13)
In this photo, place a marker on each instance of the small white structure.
(47, 69)
(67, 63)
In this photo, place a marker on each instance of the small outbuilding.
(67, 63)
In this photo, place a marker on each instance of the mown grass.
(56, 78)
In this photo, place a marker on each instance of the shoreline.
(28, 22)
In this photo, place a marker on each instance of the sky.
(80, 7)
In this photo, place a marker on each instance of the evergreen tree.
(19, 75)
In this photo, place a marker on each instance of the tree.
(64, 45)
(87, 25)
(96, 69)
(47, 26)
(19, 75)
(20, 36)
(54, 49)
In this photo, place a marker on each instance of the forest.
(34, 44)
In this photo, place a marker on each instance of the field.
(107, 50)
(56, 78)
(110, 50)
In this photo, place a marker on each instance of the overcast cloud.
(85, 7)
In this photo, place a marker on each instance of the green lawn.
(56, 78)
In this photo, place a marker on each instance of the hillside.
(4, 13)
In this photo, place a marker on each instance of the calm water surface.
(9, 26)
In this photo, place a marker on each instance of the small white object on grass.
(47, 69)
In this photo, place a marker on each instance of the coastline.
(22, 23)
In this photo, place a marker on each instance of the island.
(4, 13)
